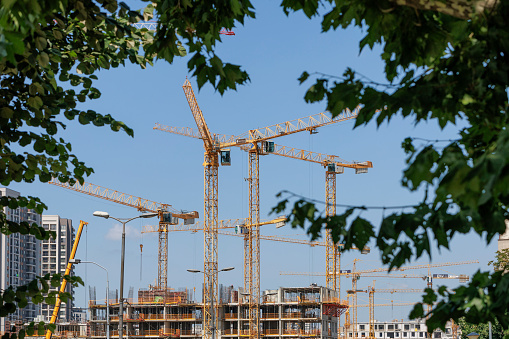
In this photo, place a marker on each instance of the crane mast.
(333, 256)
(252, 244)
(210, 239)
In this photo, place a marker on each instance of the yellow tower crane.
(371, 304)
(167, 216)
(333, 165)
(355, 275)
(214, 146)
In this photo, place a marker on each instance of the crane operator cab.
(225, 158)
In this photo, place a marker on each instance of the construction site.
(232, 312)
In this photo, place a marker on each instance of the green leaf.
(304, 76)
(35, 102)
(6, 112)
(41, 43)
(43, 59)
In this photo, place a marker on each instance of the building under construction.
(302, 312)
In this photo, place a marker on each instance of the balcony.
(270, 316)
(190, 333)
(274, 331)
(306, 333)
(231, 332)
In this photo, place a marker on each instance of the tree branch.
(462, 9)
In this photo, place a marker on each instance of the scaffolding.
(297, 312)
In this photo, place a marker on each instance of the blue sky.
(167, 168)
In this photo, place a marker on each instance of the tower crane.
(371, 304)
(213, 147)
(355, 275)
(167, 216)
(333, 165)
(429, 282)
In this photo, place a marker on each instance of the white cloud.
(115, 232)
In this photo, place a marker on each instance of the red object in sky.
(225, 32)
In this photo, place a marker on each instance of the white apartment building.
(19, 259)
(412, 329)
(54, 257)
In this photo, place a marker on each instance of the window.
(421, 334)
(405, 334)
(417, 327)
(361, 327)
(413, 334)
(407, 327)
(437, 334)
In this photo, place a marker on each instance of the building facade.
(19, 259)
(54, 257)
(412, 329)
(288, 312)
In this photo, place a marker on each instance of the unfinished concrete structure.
(300, 312)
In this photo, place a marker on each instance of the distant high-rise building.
(503, 239)
(54, 257)
(19, 259)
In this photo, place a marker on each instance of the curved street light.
(78, 261)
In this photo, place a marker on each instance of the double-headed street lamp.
(78, 261)
(123, 221)
(212, 310)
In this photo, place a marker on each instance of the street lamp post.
(78, 261)
(123, 221)
(213, 310)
